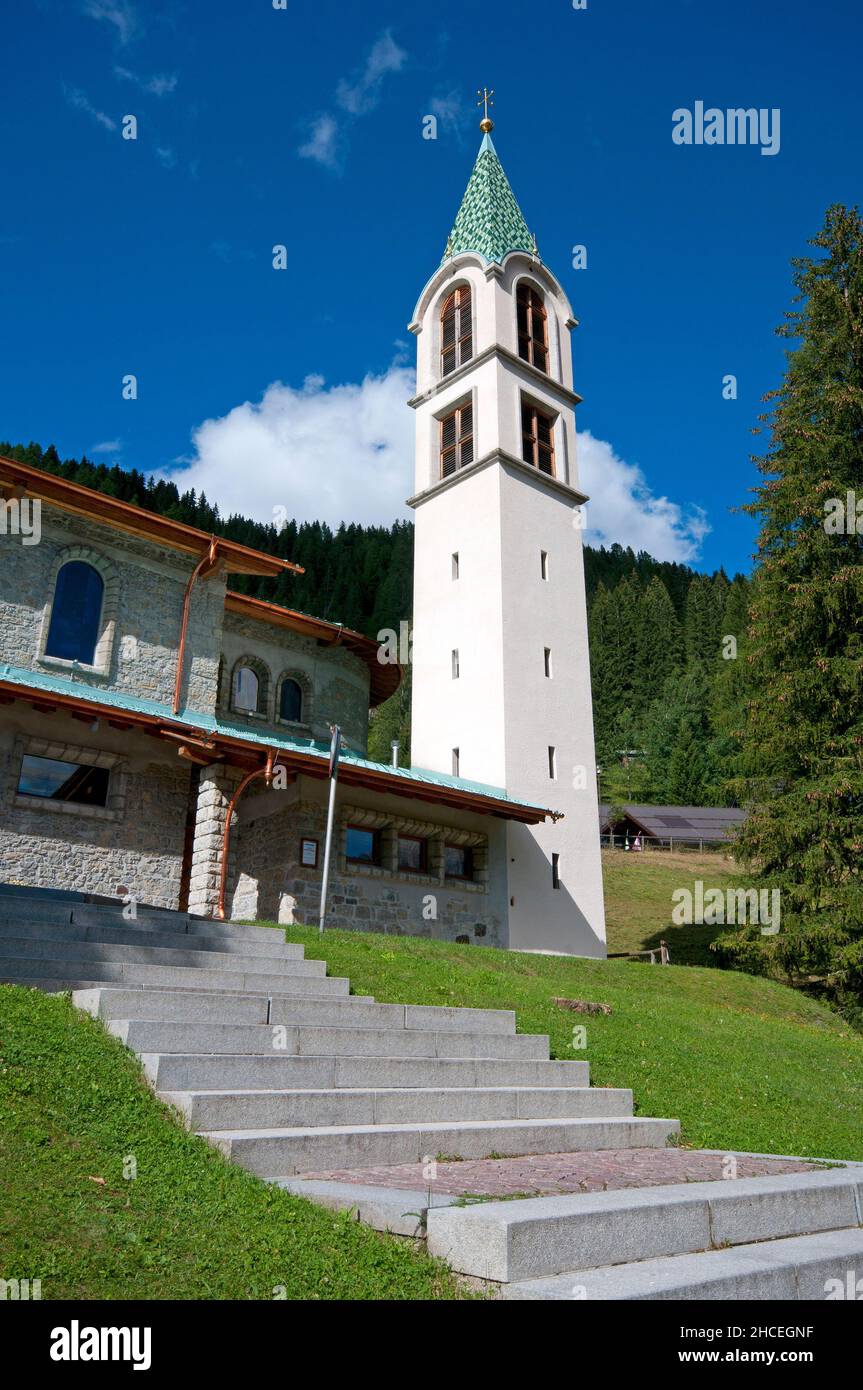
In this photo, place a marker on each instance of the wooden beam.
(194, 754)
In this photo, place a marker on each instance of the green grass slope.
(639, 902)
(74, 1108)
(742, 1062)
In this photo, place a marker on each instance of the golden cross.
(486, 96)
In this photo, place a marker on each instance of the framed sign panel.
(309, 853)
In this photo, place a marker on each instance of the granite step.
(55, 975)
(275, 1153)
(359, 1011)
(228, 1110)
(262, 1040)
(208, 958)
(203, 1006)
(111, 933)
(48, 907)
(796, 1269)
(206, 1072)
(542, 1236)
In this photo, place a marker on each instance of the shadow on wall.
(568, 933)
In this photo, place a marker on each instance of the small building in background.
(669, 827)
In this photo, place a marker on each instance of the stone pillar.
(217, 786)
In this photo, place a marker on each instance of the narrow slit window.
(555, 871)
(455, 762)
(456, 440)
(455, 668)
(547, 661)
(456, 333)
(537, 438)
(455, 564)
(552, 763)
(543, 564)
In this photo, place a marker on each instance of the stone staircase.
(279, 1066)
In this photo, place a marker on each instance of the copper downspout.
(267, 773)
(204, 565)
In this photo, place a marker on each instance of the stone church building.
(166, 739)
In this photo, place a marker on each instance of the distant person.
(637, 844)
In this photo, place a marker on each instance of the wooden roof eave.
(242, 753)
(385, 677)
(71, 497)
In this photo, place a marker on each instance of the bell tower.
(501, 691)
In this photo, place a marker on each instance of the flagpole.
(331, 808)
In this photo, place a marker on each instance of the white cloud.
(345, 453)
(322, 144)
(327, 137)
(623, 508)
(453, 112)
(364, 92)
(120, 14)
(160, 85)
(82, 102)
(108, 446)
(323, 453)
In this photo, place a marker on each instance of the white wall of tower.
(503, 713)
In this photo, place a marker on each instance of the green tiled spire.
(489, 220)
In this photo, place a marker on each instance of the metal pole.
(331, 808)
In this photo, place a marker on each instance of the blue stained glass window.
(75, 613)
(291, 701)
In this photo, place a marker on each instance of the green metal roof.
(196, 721)
(489, 221)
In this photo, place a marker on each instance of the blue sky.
(303, 126)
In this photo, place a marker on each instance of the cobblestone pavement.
(544, 1174)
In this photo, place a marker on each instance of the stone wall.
(135, 843)
(335, 681)
(142, 610)
(267, 880)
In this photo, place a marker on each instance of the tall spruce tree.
(659, 645)
(803, 735)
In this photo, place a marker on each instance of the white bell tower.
(501, 688)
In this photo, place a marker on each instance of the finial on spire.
(485, 95)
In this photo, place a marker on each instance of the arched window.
(76, 613)
(291, 701)
(532, 327)
(245, 691)
(456, 333)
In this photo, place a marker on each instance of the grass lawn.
(638, 901)
(743, 1063)
(73, 1107)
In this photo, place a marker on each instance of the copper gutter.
(267, 773)
(205, 565)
